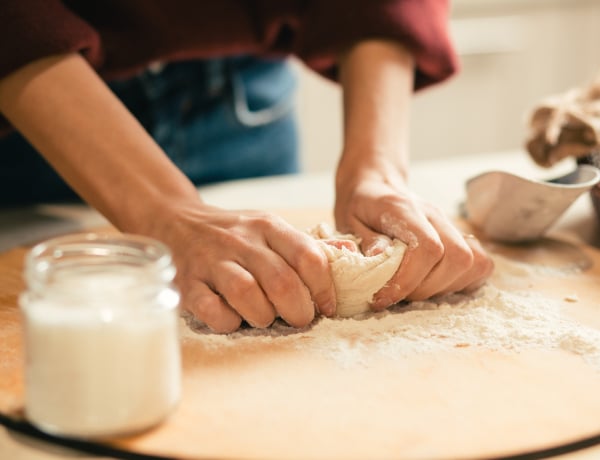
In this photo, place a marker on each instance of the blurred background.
(513, 53)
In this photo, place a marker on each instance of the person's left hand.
(439, 258)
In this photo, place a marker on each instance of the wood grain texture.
(272, 396)
(11, 378)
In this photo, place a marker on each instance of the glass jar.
(101, 335)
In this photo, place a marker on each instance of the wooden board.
(329, 392)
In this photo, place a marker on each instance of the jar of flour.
(101, 335)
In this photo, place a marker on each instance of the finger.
(457, 261)
(242, 292)
(209, 308)
(424, 251)
(312, 284)
(283, 287)
(481, 269)
(371, 242)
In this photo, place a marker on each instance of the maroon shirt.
(121, 37)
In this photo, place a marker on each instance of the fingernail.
(328, 309)
(379, 245)
(377, 306)
(380, 304)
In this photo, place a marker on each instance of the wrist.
(353, 180)
(357, 166)
(377, 82)
(153, 211)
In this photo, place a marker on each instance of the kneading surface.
(357, 277)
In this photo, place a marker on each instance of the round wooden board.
(321, 393)
(275, 401)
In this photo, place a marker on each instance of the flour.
(490, 318)
(103, 365)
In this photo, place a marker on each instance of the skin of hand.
(372, 195)
(231, 265)
(248, 264)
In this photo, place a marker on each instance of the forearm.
(372, 194)
(70, 116)
(377, 81)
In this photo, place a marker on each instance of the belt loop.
(216, 76)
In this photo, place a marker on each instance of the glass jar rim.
(101, 248)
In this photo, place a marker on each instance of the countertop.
(440, 181)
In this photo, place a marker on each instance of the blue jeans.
(217, 119)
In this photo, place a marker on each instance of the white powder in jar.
(103, 355)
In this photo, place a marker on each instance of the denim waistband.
(260, 90)
(212, 117)
(208, 77)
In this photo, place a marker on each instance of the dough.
(356, 277)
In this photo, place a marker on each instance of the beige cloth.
(566, 125)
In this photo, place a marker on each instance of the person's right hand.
(245, 265)
(231, 265)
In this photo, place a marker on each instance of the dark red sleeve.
(120, 37)
(325, 28)
(33, 29)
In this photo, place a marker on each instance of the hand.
(372, 198)
(438, 259)
(246, 265)
(231, 265)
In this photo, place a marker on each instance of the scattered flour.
(490, 318)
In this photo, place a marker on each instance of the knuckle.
(280, 287)
(242, 287)
(487, 267)
(210, 310)
(196, 303)
(483, 264)
(266, 221)
(462, 257)
(312, 259)
(434, 248)
(433, 210)
(232, 238)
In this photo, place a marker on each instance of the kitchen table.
(339, 389)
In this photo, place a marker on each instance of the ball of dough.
(357, 277)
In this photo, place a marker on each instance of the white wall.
(513, 53)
